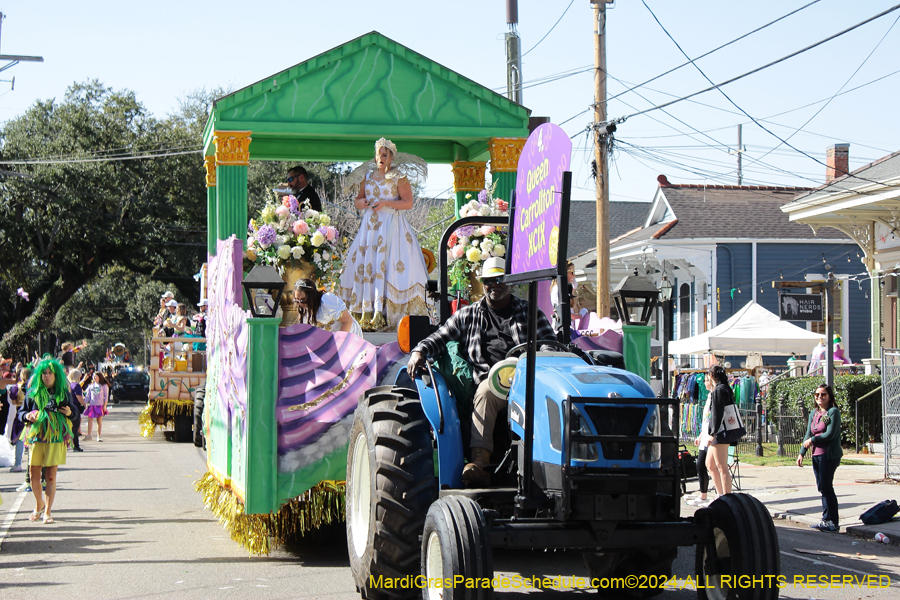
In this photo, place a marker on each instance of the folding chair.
(734, 467)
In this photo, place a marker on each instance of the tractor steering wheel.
(517, 350)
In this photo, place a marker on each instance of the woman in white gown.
(323, 309)
(384, 276)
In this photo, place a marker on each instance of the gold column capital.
(468, 176)
(232, 147)
(210, 163)
(505, 152)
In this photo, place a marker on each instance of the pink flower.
(487, 229)
(330, 233)
(301, 228)
(503, 205)
(458, 251)
(282, 211)
(22, 293)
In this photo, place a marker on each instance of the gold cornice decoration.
(232, 147)
(468, 176)
(210, 163)
(505, 154)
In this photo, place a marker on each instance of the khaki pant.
(484, 415)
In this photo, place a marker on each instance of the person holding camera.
(45, 412)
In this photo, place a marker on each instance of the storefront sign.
(535, 241)
(800, 307)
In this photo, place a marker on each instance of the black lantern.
(263, 286)
(635, 298)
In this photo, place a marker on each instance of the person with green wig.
(45, 412)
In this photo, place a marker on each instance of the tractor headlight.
(582, 451)
(650, 451)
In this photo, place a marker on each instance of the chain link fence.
(890, 395)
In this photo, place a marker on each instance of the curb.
(864, 531)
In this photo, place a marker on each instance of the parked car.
(130, 384)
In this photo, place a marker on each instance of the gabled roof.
(623, 217)
(333, 107)
(723, 212)
(885, 169)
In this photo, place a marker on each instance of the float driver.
(485, 331)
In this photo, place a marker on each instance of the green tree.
(85, 201)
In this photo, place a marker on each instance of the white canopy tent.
(751, 330)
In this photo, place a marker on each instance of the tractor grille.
(617, 420)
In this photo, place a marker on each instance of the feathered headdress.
(402, 165)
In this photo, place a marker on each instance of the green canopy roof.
(334, 106)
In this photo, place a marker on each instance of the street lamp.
(665, 294)
(635, 298)
(263, 286)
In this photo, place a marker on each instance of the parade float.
(279, 401)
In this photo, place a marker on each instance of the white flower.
(463, 241)
(499, 250)
(486, 245)
(280, 240)
(317, 239)
(485, 211)
(326, 220)
(301, 240)
(297, 252)
(326, 256)
(473, 254)
(283, 252)
(311, 214)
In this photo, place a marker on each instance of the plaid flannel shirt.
(468, 326)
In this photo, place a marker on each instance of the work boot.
(473, 474)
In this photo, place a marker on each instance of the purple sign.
(545, 157)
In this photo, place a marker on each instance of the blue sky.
(163, 50)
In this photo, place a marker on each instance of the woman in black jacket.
(717, 454)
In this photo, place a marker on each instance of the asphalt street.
(129, 525)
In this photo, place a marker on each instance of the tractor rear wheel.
(390, 485)
(744, 543)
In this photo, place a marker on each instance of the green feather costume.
(51, 426)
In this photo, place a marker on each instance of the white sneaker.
(699, 502)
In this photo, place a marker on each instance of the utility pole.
(15, 58)
(740, 154)
(513, 53)
(600, 157)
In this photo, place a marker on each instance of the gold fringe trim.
(259, 534)
(161, 412)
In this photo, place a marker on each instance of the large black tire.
(390, 485)
(619, 565)
(456, 542)
(744, 543)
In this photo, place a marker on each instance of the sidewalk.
(790, 493)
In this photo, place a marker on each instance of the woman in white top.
(323, 309)
(96, 397)
(702, 443)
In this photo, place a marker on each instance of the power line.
(551, 29)
(733, 103)
(101, 159)
(765, 66)
(714, 50)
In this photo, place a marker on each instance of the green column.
(231, 204)
(211, 231)
(504, 184)
(260, 467)
(636, 349)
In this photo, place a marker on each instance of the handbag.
(688, 463)
(732, 428)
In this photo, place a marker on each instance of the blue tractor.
(590, 466)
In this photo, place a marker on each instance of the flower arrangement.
(471, 245)
(284, 232)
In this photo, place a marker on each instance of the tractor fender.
(440, 410)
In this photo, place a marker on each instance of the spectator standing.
(97, 396)
(45, 410)
(823, 435)
(74, 377)
(16, 396)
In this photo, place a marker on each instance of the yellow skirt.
(47, 455)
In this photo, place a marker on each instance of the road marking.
(822, 562)
(10, 516)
